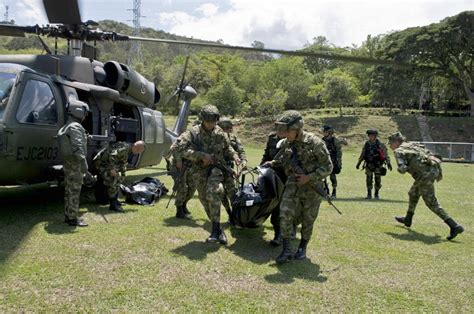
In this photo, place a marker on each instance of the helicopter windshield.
(6, 83)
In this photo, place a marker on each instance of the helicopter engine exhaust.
(120, 77)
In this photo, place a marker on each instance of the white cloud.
(291, 24)
(208, 9)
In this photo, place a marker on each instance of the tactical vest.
(65, 146)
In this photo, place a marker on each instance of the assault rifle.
(295, 163)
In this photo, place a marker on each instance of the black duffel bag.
(144, 192)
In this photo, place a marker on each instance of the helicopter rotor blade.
(12, 30)
(62, 11)
(300, 53)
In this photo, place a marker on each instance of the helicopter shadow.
(412, 235)
(303, 269)
(24, 207)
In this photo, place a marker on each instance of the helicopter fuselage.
(34, 92)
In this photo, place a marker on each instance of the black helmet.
(372, 131)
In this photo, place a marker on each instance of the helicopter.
(35, 89)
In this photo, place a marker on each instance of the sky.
(279, 24)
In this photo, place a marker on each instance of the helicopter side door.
(153, 129)
(34, 119)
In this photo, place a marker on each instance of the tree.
(445, 48)
(226, 96)
(266, 103)
(339, 89)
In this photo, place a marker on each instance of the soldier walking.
(73, 146)
(306, 161)
(111, 163)
(334, 147)
(206, 146)
(374, 154)
(425, 168)
(229, 181)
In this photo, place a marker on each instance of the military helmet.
(209, 113)
(78, 109)
(328, 128)
(397, 136)
(225, 123)
(289, 120)
(372, 131)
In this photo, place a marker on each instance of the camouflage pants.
(299, 205)
(72, 190)
(230, 191)
(425, 188)
(211, 191)
(112, 183)
(185, 191)
(369, 178)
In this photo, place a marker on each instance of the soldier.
(269, 154)
(374, 154)
(111, 163)
(229, 183)
(73, 146)
(334, 147)
(206, 146)
(185, 185)
(306, 162)
(425, 168)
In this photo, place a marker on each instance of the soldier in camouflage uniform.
(425, 168)
(306, 162)
(269, 154)
(111, 163)
(229, 182)
(374, 154)
(206, 146)
(184, 183)
(73, 146)
(334, 147)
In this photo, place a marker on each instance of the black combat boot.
(217, 235)
(405, 220)
(115, 204)
(286, 253)
(277, 238)
(75, 222)
(301, 252)
(333, 195)
(369, 194)
(455, 228)
(181, 213)
(377, 196)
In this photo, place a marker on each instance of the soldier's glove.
(358, 165)
(89, 180)
(389, 166)
(266, 164)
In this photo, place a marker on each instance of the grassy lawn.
(146, 260)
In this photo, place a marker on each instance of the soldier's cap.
(328, 128)
(209, 113)
(289, 120)
(225, 123)
(397, 136)
(372, 131)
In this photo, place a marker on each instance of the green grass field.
(147, 260)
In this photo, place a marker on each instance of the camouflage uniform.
(198, 143)
(334, 147)
(300, 204)
(425, 168)
(184, 182)
(72, 139)
(375, 155)
(113, 158)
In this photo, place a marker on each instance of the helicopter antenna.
(135, 49)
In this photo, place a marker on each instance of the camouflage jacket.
(374, 153)
(237, 146)
(271, 148)
(417, 161)
(334, 147)
(311, 153)
(114, 157)
(73, 143)
(197, 142)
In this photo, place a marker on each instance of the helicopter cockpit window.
(6, 84)
(37, 105)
